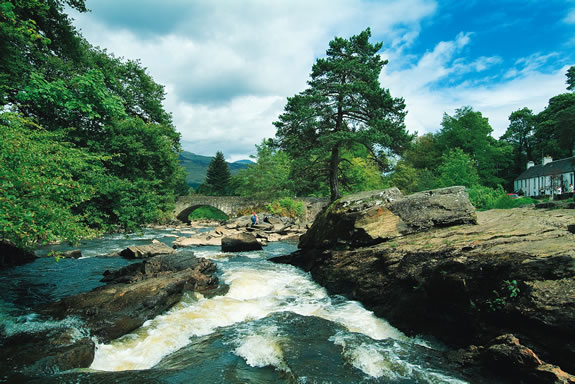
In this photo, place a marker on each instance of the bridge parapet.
(235, 205)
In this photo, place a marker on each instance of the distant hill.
(197, 166)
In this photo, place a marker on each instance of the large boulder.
(146, 251)
(241, 242)
(369, 218)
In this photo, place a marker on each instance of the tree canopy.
(82, 116)
(344, 105)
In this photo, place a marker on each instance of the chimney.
(547, 160)
(530, 164)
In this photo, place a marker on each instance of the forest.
(87, 147)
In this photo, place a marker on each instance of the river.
(274, 325)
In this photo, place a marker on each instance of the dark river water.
(274, 325)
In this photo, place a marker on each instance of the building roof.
(553, 168)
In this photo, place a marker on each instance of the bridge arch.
(185, 213)
(234, 205)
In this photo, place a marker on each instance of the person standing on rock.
(254, 219)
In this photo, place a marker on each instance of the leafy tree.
(217, 178)
(519, 136)
(344, 105)
(42, 181)
(469, 131)
(571, 78)
(268, 178)
(555, 132)
(424, 152)
(457, 168)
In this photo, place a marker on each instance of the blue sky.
(229, 65)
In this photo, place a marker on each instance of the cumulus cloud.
(228, 66)
(426, 102)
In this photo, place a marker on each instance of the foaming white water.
(256, 290)
(262, 349)
(379, 362)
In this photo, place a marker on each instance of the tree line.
(85, 143)
(345, 133)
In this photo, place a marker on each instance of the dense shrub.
(286, 207)
(484, 198)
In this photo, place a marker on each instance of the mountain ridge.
(196, 167)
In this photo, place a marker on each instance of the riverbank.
(513, 272)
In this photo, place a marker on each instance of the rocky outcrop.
(10, 255)
(512, 273)
(370, 218)
(138, 293)
(269, 229)
(241, 242)
(146, 251)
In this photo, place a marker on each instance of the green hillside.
(197, 165)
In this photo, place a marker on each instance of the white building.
(544, 179)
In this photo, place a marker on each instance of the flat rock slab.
(146, 251)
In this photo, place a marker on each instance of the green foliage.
(555, 133)
(287, 207)
(485, 198)
(456, 169)
(510, 292)
(42, 181)
(88, 144)
(208, 213)
(471, 132)
(218, 177)
(268, 178)
(344, 105)
(571, 78)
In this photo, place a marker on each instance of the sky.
(228, 66)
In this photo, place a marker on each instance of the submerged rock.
(513, 272)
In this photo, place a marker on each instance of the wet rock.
(10, 255)
(513, 272)
(46, 351)
(370, 218)
(146, 251)
(241, 242)
(73, 254)
(139, 293)
(509, 358)
(201, 239)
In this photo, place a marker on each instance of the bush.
(484, 198)
(207, 213)
(286, 207)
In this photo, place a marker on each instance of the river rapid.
(274, 325)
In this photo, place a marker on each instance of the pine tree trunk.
(333, 171)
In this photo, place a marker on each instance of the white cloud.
(426, 102)
(228, 66)
(570, 18)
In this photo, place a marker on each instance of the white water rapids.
(257, 288)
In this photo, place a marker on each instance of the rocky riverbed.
(499, 285)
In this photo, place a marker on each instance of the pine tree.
(217, 181)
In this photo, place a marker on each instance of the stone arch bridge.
(235, 205)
